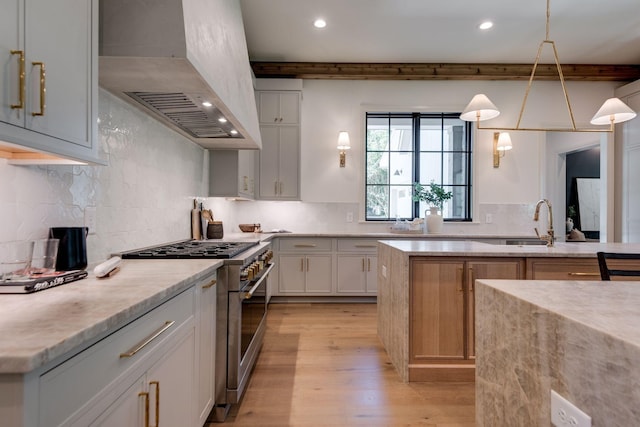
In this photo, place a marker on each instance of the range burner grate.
(191, 249)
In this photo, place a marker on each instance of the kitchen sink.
(522, 242)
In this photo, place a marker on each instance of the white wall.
(142, 198)
(508, 193)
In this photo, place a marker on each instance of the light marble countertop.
(36, 328)
(470, 248)
(608, 307)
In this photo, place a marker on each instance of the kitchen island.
(68, 352)
(426, 310)
(578, 338)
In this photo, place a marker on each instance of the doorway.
(582, 208)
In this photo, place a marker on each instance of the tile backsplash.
(141, 198)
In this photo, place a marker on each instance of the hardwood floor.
(323, 365)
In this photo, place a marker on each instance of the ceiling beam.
(423, 71)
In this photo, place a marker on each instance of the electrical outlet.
(90, 219)
(488, 218)
(566, 414)
(349, 216)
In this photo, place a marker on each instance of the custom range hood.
(186, 63)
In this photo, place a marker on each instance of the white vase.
(433, 220)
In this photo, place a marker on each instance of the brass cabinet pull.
(473, 279)
(584, 274)
(365, 246)
(362, 264)
(142, 344)
(210, 284)
(301, 264)
(21, 74)
(275, 187)
(146, 407)
(368, 264)
(157, 385)
(307, 264)
(305, 245)
(43, 88)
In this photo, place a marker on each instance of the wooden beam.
(423, 71)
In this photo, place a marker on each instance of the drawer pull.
(142, 344)
(210, 284)
(584, 274)
(305, 245)
(365, 246)
(368, 264)
(21, 74)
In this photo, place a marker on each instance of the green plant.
(434, 194)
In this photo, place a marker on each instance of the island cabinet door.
(486, 269)
(437, 311)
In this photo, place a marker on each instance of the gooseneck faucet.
(549, 237)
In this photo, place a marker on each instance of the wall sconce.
(501, 144)
(343, 144)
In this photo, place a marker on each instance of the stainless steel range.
(241, 308)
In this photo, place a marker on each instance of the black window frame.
(416, 118)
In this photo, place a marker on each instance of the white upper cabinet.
(48, 78)
(282, 108)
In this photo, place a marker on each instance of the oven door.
(247, 325)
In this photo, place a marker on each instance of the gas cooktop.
(191, 249)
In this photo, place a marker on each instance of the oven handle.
(249, 293)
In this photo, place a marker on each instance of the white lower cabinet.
(163, 359)
(305, 274)
(357, 274)
(163, 396)
(206, 349)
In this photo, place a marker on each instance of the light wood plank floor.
(323, 365)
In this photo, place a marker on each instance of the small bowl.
(249, 228)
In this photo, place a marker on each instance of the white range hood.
(168, 57)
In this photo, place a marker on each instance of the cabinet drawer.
(358, 245)
(305, 245)
(68, 387)
(563, 269)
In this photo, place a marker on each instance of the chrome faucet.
(549, 237)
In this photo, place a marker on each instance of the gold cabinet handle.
(305, 245)
(157, 386)
(210, 284)
(362, 264)
(275, 187)
(307, 264)
(43, 88)
(146, 407)
(584, 274)
(301, 264)
(368, 264)
(142, 344)
(21, 74)
(365, 246)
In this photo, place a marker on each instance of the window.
(403, 148)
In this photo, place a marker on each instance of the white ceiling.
(430, 31)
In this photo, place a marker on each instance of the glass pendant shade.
(613, 110)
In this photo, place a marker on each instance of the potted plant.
(435, 196)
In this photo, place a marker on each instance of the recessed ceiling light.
(222, 120)
(485, 25)
(233, 132)
(207, 104)
(319, 23)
